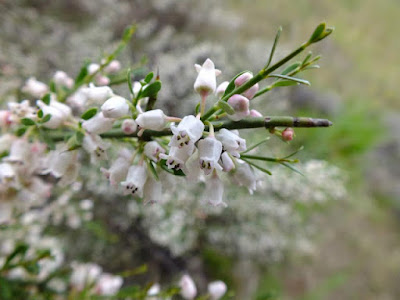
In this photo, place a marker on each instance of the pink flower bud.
(93, 68)
(240, 104)
(287, 134)
(188, 288)
(242, 79)
(129, 126)
(255, 113)
(217, 289)
(249, 94)
(221, 89)
(102, 80)
(113, 67)
(227, 162)
(5, 119)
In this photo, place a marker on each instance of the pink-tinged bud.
(240, 104)
(113, 67)
(98, 124)
(287, 134)
(206, 81)
(188, 288)
(129, 126)
(5, 119)
(250, 93)
(97, 95)
(255, 113)
(102, 80)
(221, 89)
(115, 107)
(217, 289)
(108, 285)
(242, 79)
(153, 150)
(93, 68)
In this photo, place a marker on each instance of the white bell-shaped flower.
(217, 289)
(206, 81)
(188, 288)
(214, 191)
(178, 156)
(35, 88)
(136, 86)
(59, 160)
(231, 142)
(96, 147)
(7, 173)
(152, 119)
(98, 124)
(152, 191)
(189, 130)
(153, 150)
(153, 291)
(210, 150)
(227, 162)
(97, 94)
(108, 284)
(240, 105)
(135, 180)
(129, 126)
(57, 116)
(115, 107)
(117, 172)
(193, 171)
(245, 176)
(63, 108)
(20, 152)
(93, 68)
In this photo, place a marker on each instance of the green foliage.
(90, 113)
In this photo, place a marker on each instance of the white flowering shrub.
(70, 136)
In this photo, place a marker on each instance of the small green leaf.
(27, 122)
(284, 83)
(46, 118)
(258, 167)
(152, 169)
(287, 165)
(74, 142)
(129, 79)
(32, 268)
(197, 109)
(20, 131)
(90, 113)
(82, 74)
(255, 146)
(128, 32)
(312, 67)
(19, 250)
(302, 81)
(40, 113)
(307, 58)
(53, 88)
(294, 153)
(151, 90)
(231, 85)
(46, 99)
(278, 34)
(149, 77)
(226, 107)
(318, 32)
(291, 68)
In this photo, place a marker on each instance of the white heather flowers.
(245, 176)
(206, 81)
(97, 95)
(217, 289)
(189, 130)
(108, 284)
(98, 124)
(57, 115)
(135, 180)
(231, 142)
(96, 147)
(84, 275)
(152, 191)
(177, 157)
(152, 119)
(188, 287)
(210, 150)
(118, 171)
(115, 107)
(62, 79)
